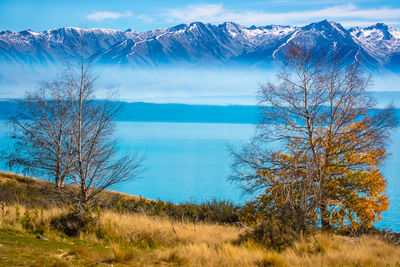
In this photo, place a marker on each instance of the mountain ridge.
(376, 46)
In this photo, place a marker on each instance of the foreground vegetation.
(153, 235)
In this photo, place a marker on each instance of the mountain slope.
(380, 41)
(374, 46)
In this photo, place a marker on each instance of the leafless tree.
(96, 164)
(64, 132)
(320, 141)
(41, 131)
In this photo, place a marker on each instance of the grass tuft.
(271, 259)
(121, 256)
(175, 257)
(82, 252)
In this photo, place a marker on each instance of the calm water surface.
(184, 161)
(190, 162)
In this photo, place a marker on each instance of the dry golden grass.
(120, 255)
(165, 232)
(79, 252)
(140, 240)
(11, 214)
(31, 191)
(203, 244)
(343, 251)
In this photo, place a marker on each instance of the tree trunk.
(324, 218)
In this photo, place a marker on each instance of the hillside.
(126, 237)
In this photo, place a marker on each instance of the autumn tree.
(320, 146)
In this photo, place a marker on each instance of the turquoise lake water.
(191, 162)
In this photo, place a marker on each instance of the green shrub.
(28, 221)
(73, 223)
(213, 211)
(17, 214)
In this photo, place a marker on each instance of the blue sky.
(41, 15)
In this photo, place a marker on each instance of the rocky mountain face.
(377, 46)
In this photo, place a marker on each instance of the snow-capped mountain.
(54, 45)
(195, 42)
(227, 43)
(380, 41)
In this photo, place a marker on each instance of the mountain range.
(377, 46)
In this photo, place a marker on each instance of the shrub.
(212, 211)
(272, 233)
(73, 223)
(28, 221)
(17, 214)
(219, 211)
(279, 227)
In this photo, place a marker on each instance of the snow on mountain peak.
(326, 26)
(199, 42)
(379, 39)
(395, 33)
(232, 28)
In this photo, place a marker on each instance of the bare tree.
(320, 145)
(64, 133)
(41, 133)
(96, 165)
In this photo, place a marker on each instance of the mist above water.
(188, 84)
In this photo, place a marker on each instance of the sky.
(18, 15)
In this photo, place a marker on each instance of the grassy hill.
(132, 231)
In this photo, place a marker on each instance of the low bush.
(73, 223)
(271, 233)
(277, 228)
(212, 211)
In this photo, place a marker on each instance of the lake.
(191, 162)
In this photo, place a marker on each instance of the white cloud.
(217, 13)
(207, 12)
(363, 23)
(145, 18)
(102, 15)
